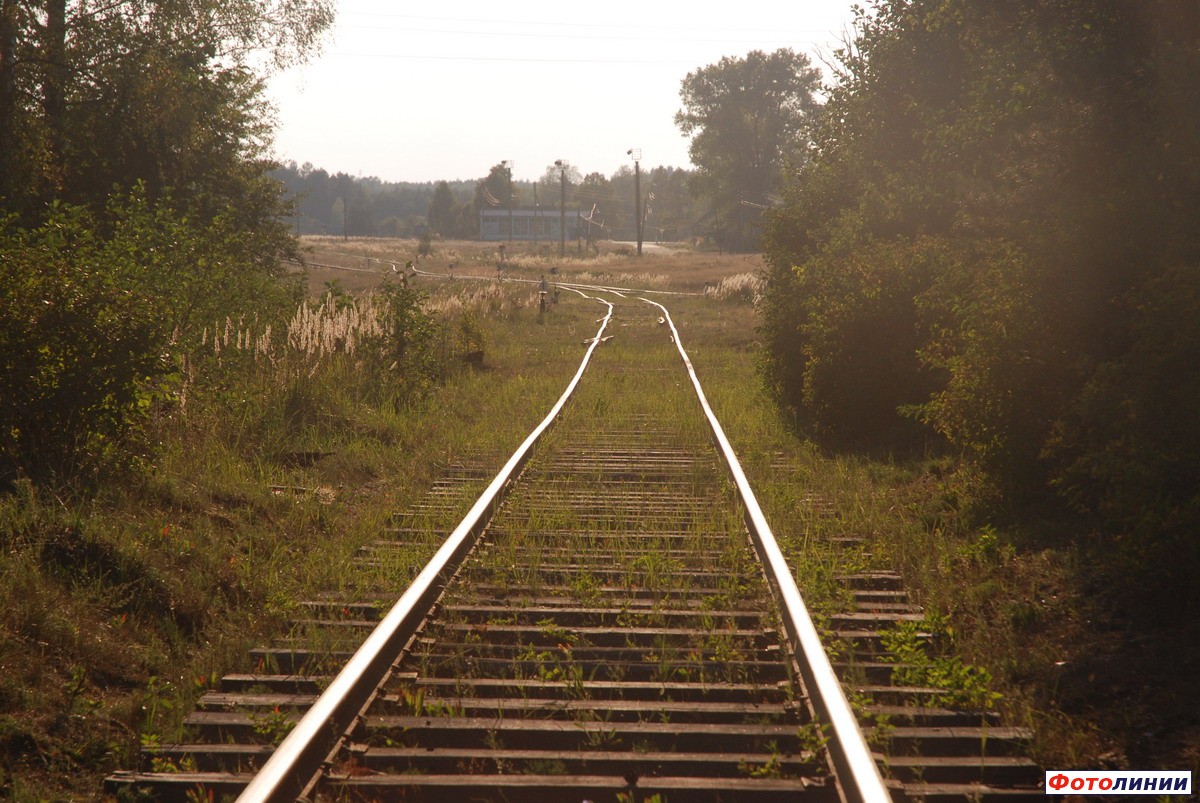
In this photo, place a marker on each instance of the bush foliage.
(994, 235)
(99, 310)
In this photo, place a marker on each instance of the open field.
(364, 262)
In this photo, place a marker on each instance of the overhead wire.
(664, 37)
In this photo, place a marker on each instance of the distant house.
(539, 224)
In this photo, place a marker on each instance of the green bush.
(987, 232)
(416, 344)
(95, 312)
(1128, 447)
(81, 351)
(861, 333)
(1002, 358)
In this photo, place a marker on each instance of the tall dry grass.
(740, 286)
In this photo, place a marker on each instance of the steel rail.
(293, 765)
(328, 267)
(597, 288)
(858, 775)
(576, 286)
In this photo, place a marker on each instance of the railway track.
(621, 626)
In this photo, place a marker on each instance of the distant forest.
(358, 206)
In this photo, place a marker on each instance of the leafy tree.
(747, 118)
(90, 325)
(668, 205)
(622, 185)
(77, 346)
(137, 207)
(360, 215)
(1032, 172)
(441, 213)
(497, 190)
(552, 180)
(160, 92)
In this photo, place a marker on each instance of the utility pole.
(537, 217)
(645, 212)
(345, 186)
(562, 207)
(636, 153)
(508, 166)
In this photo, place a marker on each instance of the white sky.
(421, 91)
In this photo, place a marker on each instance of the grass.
(674, 268)
(1020, 603)
(118, 610)
(633, 385)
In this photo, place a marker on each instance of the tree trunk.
(54, 89)
(8, 98)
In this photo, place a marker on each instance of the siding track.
(608, 632)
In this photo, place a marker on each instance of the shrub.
(81, 352)
(1128, 447)
(856, 334)
(1005, 366)
(94, 312)
(413, 343)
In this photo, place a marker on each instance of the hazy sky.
(424, 91)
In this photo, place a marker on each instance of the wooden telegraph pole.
(562, 206)
(636, 153)
(508, 166)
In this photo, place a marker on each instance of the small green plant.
(201, 795)
(413, 703)
(470, 339)
(772, 768)
(960, 685)
(812, 737)
(546, 767)
(425, 244)
(630, 797)
(555, 632)
(274, 725)
(586, 588)
(601, 739)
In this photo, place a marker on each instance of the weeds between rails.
(992, 598)
(211, 490)
(620, 533)
(120, 610)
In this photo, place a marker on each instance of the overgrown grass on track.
(116, 612)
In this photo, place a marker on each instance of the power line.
(513, 59)
(772, 35)
(721, 29)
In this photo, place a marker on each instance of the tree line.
(336, 204)
(991, 243)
